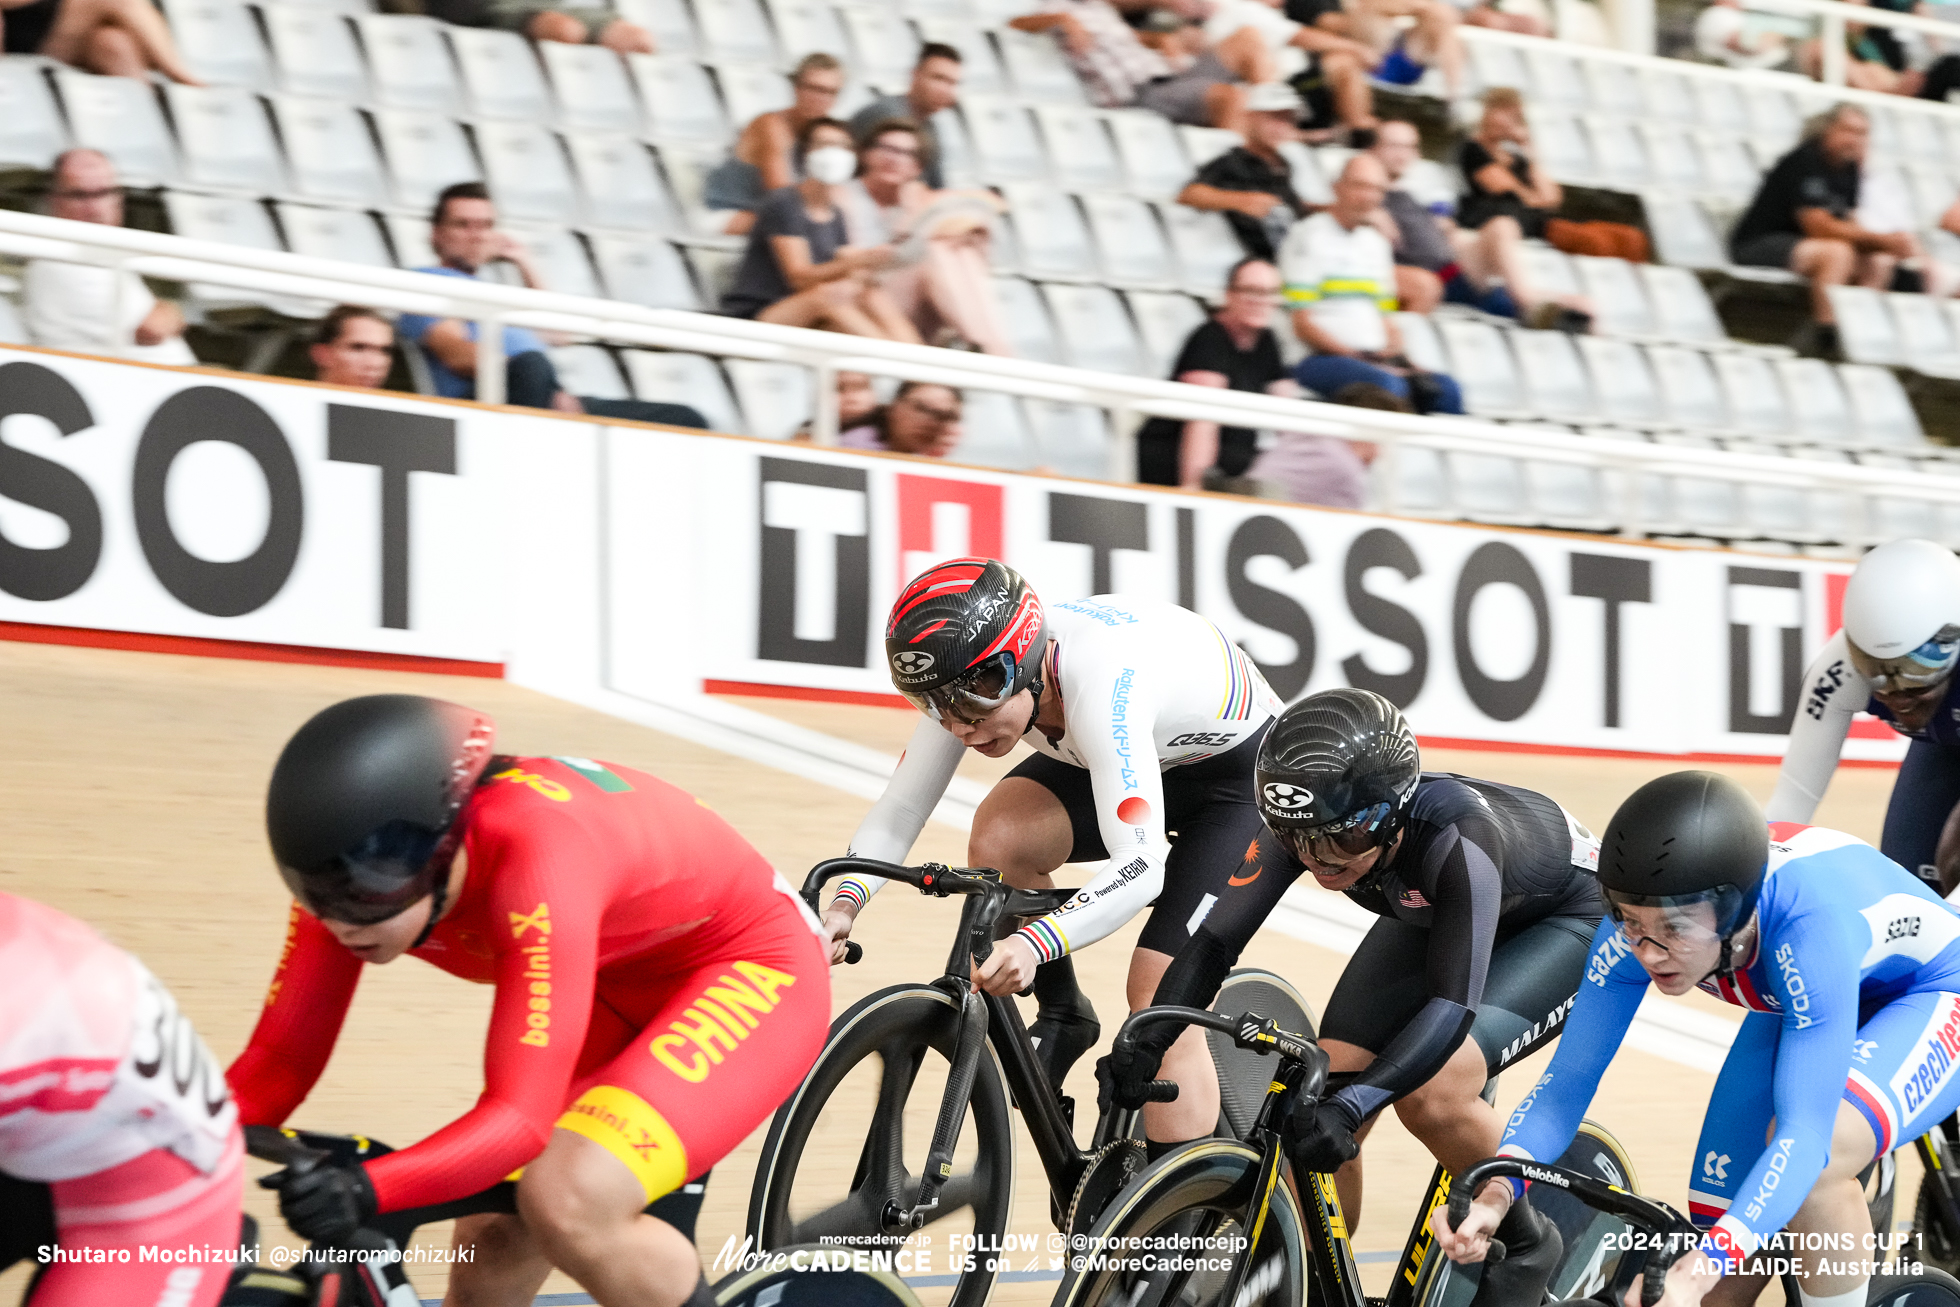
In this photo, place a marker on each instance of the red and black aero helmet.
(362, 808)
(965, 637)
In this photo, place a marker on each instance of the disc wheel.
(1195, 1197)
(847, 1147)
(1243, 1074)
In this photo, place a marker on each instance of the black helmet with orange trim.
(964, 638)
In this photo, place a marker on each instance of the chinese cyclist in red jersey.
(117, 1137)
(659, 989)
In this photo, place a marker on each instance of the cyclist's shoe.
(1532, 1247)
(1061, 1038)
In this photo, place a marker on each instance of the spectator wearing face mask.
(922, 419)
(764, 157)
(938, 276)
(799, 269)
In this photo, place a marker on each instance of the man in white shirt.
(1339, 272)
(92, 309)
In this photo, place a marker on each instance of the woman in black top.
(798, 270)
(1234, 350)
(1497, 165)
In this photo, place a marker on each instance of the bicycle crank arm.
(952, 1111)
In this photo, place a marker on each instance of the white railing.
(1626, 462)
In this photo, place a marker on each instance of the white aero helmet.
(1902, 615)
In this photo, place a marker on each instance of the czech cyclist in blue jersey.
(1850, 968)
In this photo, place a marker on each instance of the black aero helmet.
(362, 807)
(965, 637)
(1682, 840)
(1336, 773)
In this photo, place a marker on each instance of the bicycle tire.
(1935, 1245)
(1243, 1074)
(909, 1020)
(1928, 1288)
(1198, 1180)
(1586, 1265)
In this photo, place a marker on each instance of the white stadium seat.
(1005, 146)
(1865, 328)
(237, 221)
(1037, 68)
(752, 89)
(1073, 438)
(994, 432)
(1079, 146)
(883, 46)
(329, 151)
(1682, 309)
(501, 74)
(1689, 391)
(1666, 94)
(1621, 381)
(734, 30)
(31, 131)
(1818, 408)
(1682, 233)
(691, 379)
(316, 53)
(1483, 368)
(1619, 152)
(1673, 161)
(1880, 407)
(348, 235)
(588, 370)
(12, 330)
(1719, 106)
(644, 270)
(225, 139)
(408, 63)
(1027, 319)
(1095, 329)
(807, 27)
(682, 106)
(424, 153)
(120, 117)
(775, 398)
(672, 27)
(622, 184)
(980, 70)
(1203, 144)
(220, 42)
(1614, 88)
(592, 87)
(1550, 270)
(408, 236)
(1753, 393)
(528, 174)
(1556, 385)
(1419, 341)
(1130, 242)
(559, 255)
(1555, 77)
(1048, 229)
(1619, 301)
(1206, 248)
(1165, 320)
(1486, 487)
(1926, 334)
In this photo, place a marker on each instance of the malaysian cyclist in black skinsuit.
(1488, 902)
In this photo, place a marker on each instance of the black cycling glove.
(324, 1203)
(1320, 1136)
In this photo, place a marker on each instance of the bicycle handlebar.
(1674, 1234)
(1248, 1030)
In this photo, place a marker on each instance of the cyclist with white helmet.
(1850, 970)
(1895, 659)
(1145, 723)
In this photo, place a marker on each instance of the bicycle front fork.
(898, 1219)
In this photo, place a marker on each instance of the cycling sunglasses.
(1928, 665)
(972, 695)
(1673, 920)
(1337, 843)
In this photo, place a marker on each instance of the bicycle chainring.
(1114, 1165)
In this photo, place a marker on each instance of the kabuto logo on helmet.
(1286, 798)
(911, 662)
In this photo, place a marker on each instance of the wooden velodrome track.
(134, 802)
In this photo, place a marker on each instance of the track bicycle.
(834, 1168)
(1660, 1235)
(1239, 1230)
(1936, 1208)
(363, 1272)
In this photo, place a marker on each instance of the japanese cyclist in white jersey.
(1895, 659)
(1145, 721)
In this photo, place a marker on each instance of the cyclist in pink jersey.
(121, 1160)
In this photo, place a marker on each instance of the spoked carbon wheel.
(849, 1143)
(1168, 1239)
(1590, 1256)
(1929, 1288)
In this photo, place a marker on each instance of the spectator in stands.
(92, 309)
(1330, 70)
(764, 158)
(463, 233)
(935, 88)
(1252, 184)
(354, 346)
(1484, 14)
(799, 268)
(1804, 218)
(1309, 469)
(1118, 69)
(1234, 349)
(1728, 34)
(1339, 272)
(1507, 187)
(1428, 268)
(922, 418)
(938, 276)
(856, 402)
(1408, 37)
(594, 22)
(116, 38)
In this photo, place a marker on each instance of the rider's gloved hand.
(1320, 1136)
(324, 1203)
(1126, 1071)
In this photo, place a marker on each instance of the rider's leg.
(1039, 816)
(582, 1204)
(505, 1268)
(1195, 1113)
(1836, 1206)
(1926, 791)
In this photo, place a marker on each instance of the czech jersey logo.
(911, 662)
(1286, 798)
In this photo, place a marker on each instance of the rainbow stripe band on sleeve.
(1047, 942)
(851, 892)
